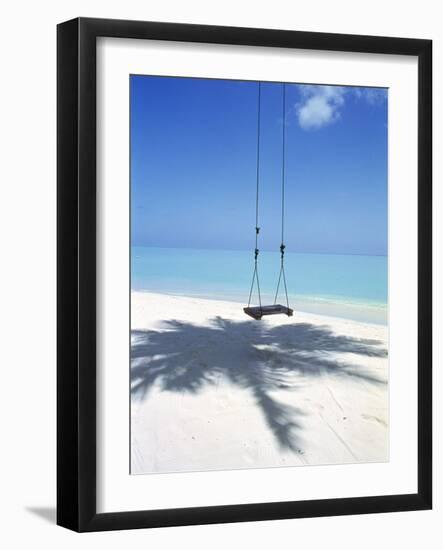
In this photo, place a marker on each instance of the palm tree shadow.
(183, 357)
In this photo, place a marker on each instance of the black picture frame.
(76, 274)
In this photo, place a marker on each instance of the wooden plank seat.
(257, 312)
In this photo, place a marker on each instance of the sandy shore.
(213, 389)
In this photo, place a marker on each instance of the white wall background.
(27, 274)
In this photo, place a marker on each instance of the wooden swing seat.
(258, 312)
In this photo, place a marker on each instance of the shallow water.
(349, 286)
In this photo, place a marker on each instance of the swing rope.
(257, 228)
(282, 274)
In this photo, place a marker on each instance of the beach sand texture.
(212, 389)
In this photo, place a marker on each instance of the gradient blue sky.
(193, 165)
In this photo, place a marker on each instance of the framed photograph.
(244, 274)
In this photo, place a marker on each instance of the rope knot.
(282, 249)
(256, 253)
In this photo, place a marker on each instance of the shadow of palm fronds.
(187, 357)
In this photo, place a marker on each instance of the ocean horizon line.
(277, 250)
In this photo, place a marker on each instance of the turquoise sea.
(349, 286)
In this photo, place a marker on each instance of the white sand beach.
(212, 389)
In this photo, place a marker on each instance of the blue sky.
(193, 165)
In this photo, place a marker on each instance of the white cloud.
(320, 105)
(374, 96)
